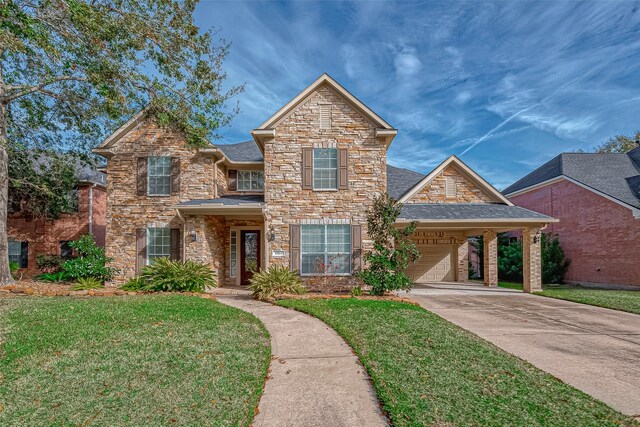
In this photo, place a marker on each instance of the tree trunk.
(5, 272)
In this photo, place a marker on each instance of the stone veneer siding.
(127, 211)
(466, 190)
(287, 203)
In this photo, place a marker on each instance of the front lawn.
(427, 371)
(143, 360)
(608, 298)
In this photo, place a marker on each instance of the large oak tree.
(73, 70)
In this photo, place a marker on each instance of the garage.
(435, 265)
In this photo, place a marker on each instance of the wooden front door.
(249, 254)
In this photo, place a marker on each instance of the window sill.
(158, 195)
(326, 189)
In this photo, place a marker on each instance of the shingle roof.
(399, 181)
(610, 173)
(468, 211)
(225, 200)
(246, 151)
(84, 172)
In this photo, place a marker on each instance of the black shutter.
(24, 254)
(174, 244)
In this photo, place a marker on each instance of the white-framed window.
(250, 181)
(159, 176)
(325, 249)
(15, 251)
(325, 168)
(158, 243)
(325, 116)
(450, 186)
(233, 251)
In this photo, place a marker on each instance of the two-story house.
(297, 194)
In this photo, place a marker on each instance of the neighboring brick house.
(30, 237)
(596, 196)
(296, 195)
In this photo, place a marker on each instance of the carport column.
(531, 260)
(463, 261)
(490, 249)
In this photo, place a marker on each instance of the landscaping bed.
(427, 371)
(144, 360)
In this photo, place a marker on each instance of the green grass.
(148, 360)
(615, 299)
(510, 285)
(427, 371)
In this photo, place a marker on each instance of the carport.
(442, 238)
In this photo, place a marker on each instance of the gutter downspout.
(215, 173)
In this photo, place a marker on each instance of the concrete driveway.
(594, 349)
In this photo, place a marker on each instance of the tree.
(393, 248)
(72, 70)
(554, 264)
(619, 144)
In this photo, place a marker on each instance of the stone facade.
(531, 260)
(466, 190)
(286, 201)
(44, 236)
(490, 250)
(128, 211)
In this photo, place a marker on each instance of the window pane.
(339, 263)
(233, 248)
(15, 251)
(244, 180)
(312, 263)
(325, 168)
(257, 180)
(159, 175)
(158, 243)
(326, 249)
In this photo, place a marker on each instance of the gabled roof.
(470, 212)
(328, 80)
(612, 174)
(400, 180)
(123, 130)
(453, 160)
(246, 151)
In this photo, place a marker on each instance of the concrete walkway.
(315, 379)
(594, 349)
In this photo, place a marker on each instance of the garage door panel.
(435, 265)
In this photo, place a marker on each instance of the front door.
(249, 254)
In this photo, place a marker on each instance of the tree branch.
(39, 88)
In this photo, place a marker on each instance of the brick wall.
(466, 190)
(600, 237)
(44, 236)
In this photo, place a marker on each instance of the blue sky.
(506, 86)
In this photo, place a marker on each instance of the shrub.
(13, 268)
(356, 291)
(90, 261)
(60, 276)
(86, 283)
(276, 280)
(49, 263)
(136, 284)
(393, 249)
(177, 276)
(554, 263)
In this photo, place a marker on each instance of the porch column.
(490, 246)
(531, 260)
(463, 261)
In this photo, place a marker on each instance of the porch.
(442, 237)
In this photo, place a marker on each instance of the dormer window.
(250, 181)
(325, 116)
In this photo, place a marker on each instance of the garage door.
(435, 265)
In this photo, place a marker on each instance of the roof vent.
(325, 116)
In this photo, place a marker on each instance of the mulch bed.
(49, 289)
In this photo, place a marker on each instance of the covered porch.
(228, 233)
(442, 237)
